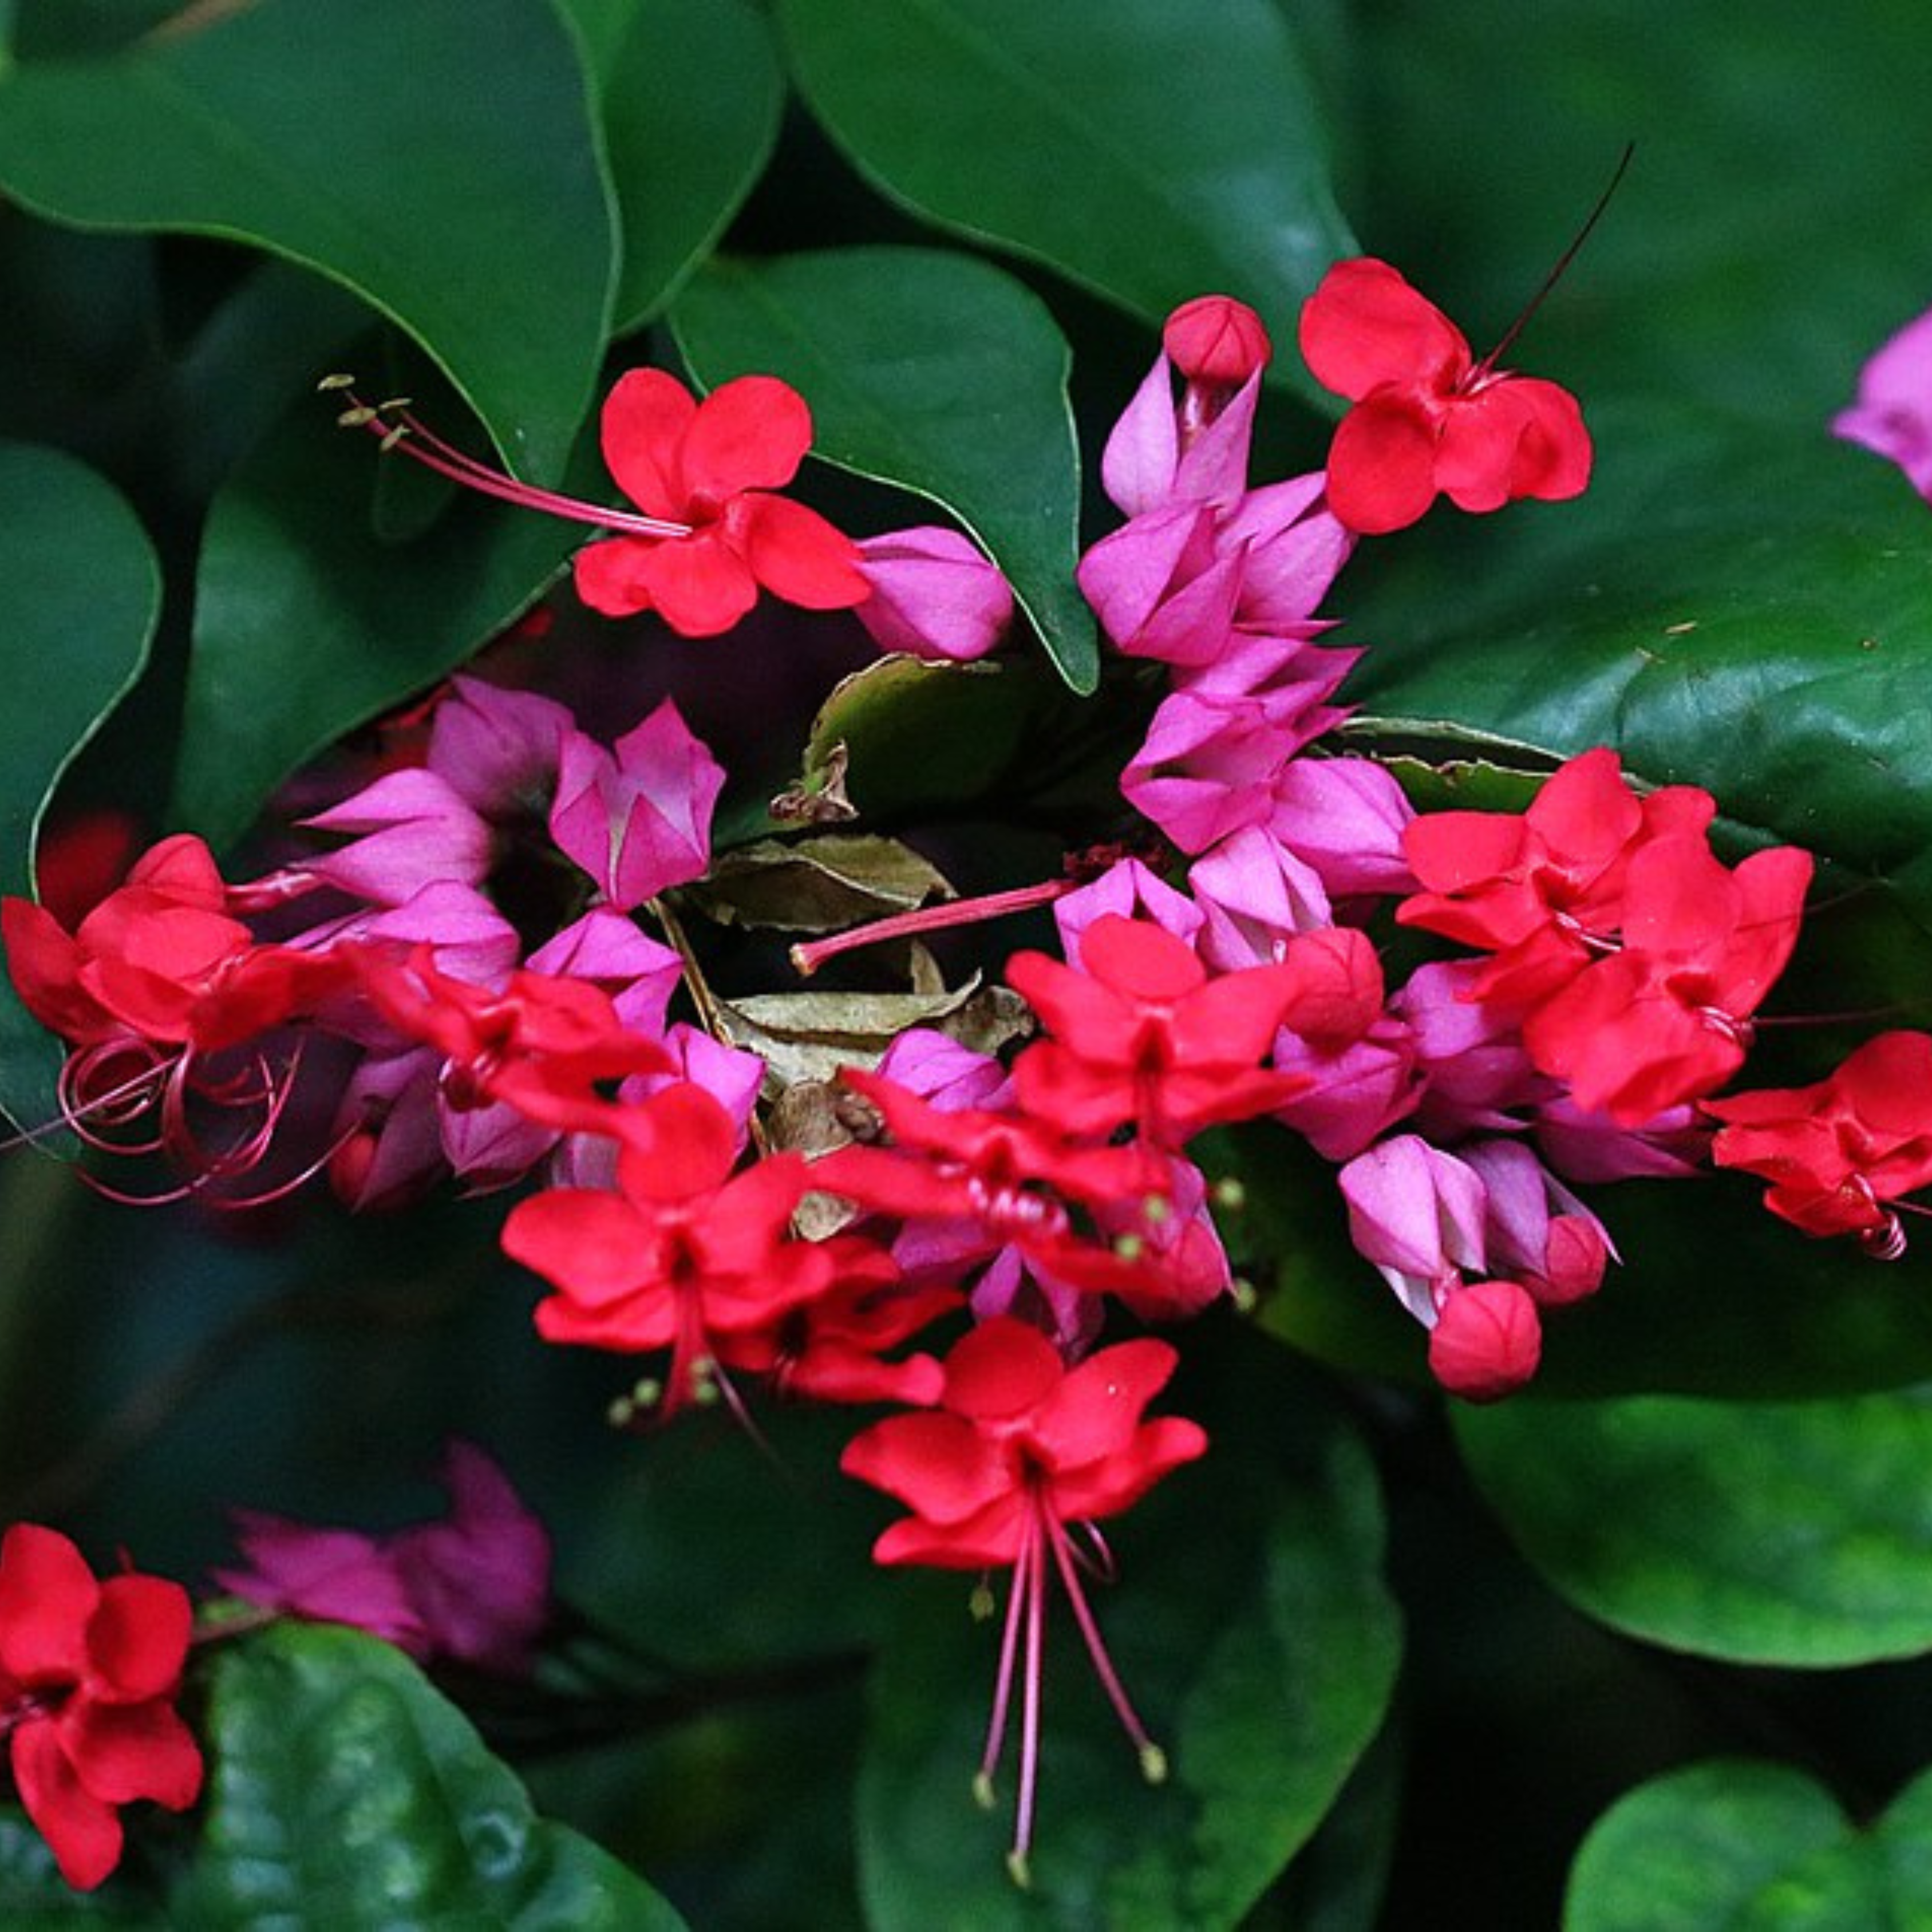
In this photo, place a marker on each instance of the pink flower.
(1893, 415)
(638, 819)
(473, 1585)
(933, 595)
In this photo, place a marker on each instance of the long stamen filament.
(808, 958)
(403, 429)
(1153, 1760)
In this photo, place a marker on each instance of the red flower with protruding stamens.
(1428, 418)
(713, 465)
(1021, 1448)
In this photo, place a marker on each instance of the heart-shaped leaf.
(1088, 152)
(1791, 1533)
(413, 153)
(81, 588)
(1755, 1847)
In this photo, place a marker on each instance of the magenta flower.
(473, 1586)
(1893, 415)
(933, 595)
(638, 818)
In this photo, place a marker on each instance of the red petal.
(592, 1244)
(1365, 325)
(646, 417)
(83, 1833)
(137, 1639)
(940, 1465)
(47, 1593)
(1003, 1369)
(610, 576)
(1382, 465)
(689, 1145)
(1107, 1488)
(124, 1751)
(1146, 962)
(798, 556)
(749, 434)
(1586, 813)
(1096, 1409)
(699, 585)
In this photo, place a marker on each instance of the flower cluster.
(474, 960)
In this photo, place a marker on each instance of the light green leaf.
(1790, 1533)
(346, 1793)
(1752, 1847)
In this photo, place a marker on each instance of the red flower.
(540, 1045)
(1020, 1446)
(1666, 1018)
(1428, 418)
(89, 1671)
(712, 466)
(1142, 1034)
(1834, 1150)
(685, 1256)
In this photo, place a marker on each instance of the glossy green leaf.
(34, 1897)
(1250, 1626)
(473, 211)
(1088, 151)
(1752, 255)
(345, 1791)
(932, 371)
(81, 588)
(308, 622)
(1753, 1847)
(1793, 1533)
(1741, 607)
(692, 95)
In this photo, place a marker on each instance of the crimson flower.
(1020, 1447)
(540, 1044)
(1143, 1033)
(712, 466)
(684, 1256)
(1833, 1152)
(1428, 418)
(88, 1673)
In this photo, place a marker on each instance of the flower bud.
(1217, 340)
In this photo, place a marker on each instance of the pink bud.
(1216, 339)
(934, 594)
(1487, 1341)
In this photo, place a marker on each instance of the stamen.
(397, 427)
(808, 958)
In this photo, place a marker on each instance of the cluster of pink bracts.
(370, 1011)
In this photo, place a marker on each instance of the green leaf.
(817, 884)
(1795, 1533)
(692, 93)
(1087, 150)
(282, 125)
(81, 588)
(1754, 1847)
(345, 1791)
(34, 1897)
(307, 622)
(930, 371)
(1732, 264)
(1733, 606)
(1249, 1625)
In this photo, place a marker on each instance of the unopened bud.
(1217, 340)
